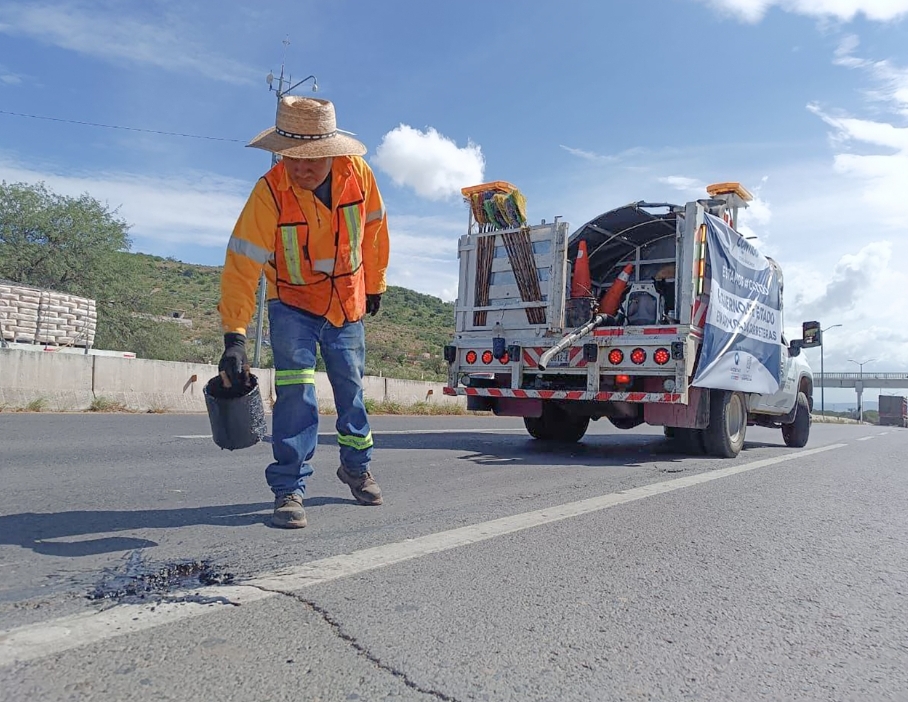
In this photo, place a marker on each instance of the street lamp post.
(860, 364)
(280, 91)
(823, 371)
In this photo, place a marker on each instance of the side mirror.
(794, 348)
(813, 335)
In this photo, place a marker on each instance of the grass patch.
(157, 409)
(39, 404)
(105, 404)
(415, 408)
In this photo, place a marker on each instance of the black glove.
(373, 302)
(234, 361)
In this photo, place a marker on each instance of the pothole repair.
(139, 581)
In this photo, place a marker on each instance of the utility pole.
(263, 284)
(860, 365)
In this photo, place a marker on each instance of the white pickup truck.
(650, 313)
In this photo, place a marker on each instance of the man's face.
(307, 173)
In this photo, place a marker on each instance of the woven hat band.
(305, 137)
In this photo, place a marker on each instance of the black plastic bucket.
(237, 417)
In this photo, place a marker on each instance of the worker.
(316, 223)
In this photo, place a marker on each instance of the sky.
(584, 105)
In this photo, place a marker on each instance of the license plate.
(561, 358)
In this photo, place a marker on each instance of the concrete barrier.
(160, 385)
(409, 391)
(72, 382)
(57, 382)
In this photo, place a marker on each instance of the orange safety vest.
(299, 283)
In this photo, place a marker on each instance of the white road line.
(866, 438)
(883, 433)
(57, 635)
(385, 433)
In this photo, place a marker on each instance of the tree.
(57, 242)
(78, 246)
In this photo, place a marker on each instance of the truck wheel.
(724, 436)
(556, 425)
(690, 441)
(797, 433)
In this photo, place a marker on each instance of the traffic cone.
(581, 285)
(612, 299)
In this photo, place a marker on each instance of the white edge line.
(387, 433)
(55, 636)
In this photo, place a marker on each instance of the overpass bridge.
(860, 381)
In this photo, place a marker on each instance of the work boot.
(363, 486)
(289, 512)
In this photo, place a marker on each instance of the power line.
(114, 126)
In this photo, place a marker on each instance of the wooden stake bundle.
(523, 263)
(485, 254)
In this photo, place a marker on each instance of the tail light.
(470, 357)
(487, 357)
(615, 356)
(622, 380)
(638, 356)
(662, 356)
(506, 358)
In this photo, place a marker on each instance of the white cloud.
(859, 295)
(891, 80)
(106, 32)
(424, 253)
(874, 153)
(586, 155)
(7, 77)
(844, 10)
(428, 162)
(684, 184)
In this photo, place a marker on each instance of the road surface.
(497, 569)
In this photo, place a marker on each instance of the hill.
(404, 340)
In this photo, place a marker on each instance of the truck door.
(783, 400)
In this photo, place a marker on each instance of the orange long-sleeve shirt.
(251, 246)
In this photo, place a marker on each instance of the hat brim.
(337, 145)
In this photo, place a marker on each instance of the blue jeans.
(294, 337)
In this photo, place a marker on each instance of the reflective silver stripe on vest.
(323, 265)
(249, 250)
(375, 215)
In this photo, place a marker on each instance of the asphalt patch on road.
(139, 581)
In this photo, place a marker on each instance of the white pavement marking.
(866, 438)
(384, 433)
(57, 635)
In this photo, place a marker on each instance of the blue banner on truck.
(742, 337)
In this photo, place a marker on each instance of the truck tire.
(724, 436)
(556, 425)
(690, 441)
(797, 433)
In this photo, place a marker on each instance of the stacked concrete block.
(31, 315)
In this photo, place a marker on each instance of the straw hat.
(306, 128)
